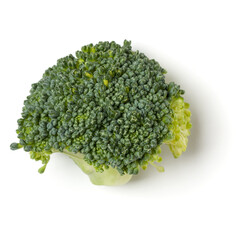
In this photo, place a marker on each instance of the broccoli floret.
(109, 109)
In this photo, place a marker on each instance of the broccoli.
(109, 109)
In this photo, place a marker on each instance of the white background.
(197, 197)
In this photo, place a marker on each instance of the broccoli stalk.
(108, 177)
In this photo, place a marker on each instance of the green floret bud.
(15, 146)
(109, 109)
(180, 127)
(42, 169)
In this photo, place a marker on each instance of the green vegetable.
(109, 109)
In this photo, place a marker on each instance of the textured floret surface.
(110, 104)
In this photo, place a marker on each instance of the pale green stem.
(109, 177)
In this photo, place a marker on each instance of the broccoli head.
(109, 109)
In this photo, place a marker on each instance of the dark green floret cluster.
(108, 103)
